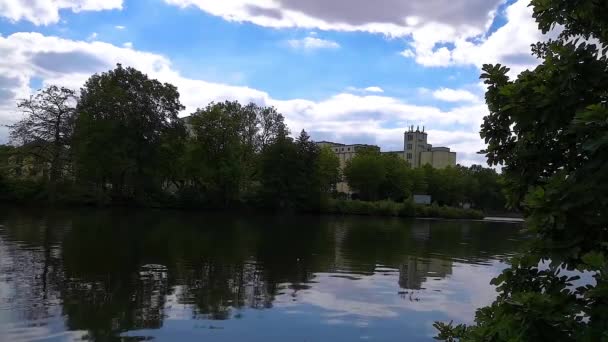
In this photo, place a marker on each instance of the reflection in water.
(117, 275)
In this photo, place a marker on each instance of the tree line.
(119, 141)
(387, 176)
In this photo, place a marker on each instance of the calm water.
(172, 276)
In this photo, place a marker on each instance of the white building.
(416, 151)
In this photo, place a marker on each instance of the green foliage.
(548, 128)
(403, 209)
(386, 176)
(45, 132)
(122, 117)
(328, 169)
(290, 174)
(365, 173)
(128, 147)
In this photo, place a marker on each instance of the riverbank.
(29, 193)
(403, 209)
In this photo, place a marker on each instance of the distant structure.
(416, 151)
(346, 153)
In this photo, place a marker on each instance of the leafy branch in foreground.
(549, 128)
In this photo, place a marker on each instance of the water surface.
(99, 275)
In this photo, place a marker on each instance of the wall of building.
(414, 143)
(438, 159)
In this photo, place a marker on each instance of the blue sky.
(345, 70)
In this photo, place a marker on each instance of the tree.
(328, 169)
(46, 130)
(365, 174)
(307, 183)
(270, 124)
(278, 166)
(397, 184)
(548, 128)
(221, 151)
(122, 118)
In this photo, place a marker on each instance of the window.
(342, 149)
(409, 156)
(348, 149)
(410, 137)
(409, 146)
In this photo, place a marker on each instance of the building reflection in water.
(104, 273)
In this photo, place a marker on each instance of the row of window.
(338, 150)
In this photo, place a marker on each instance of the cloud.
(392, 17)
(407, 53)
(367, 117)
(68, 62)
(45, 12)
(92, 36)
(312, 43)
(119, 27)
(455, 95)
(509, 44)
(441, 33)
(128, 45)
(372, 89)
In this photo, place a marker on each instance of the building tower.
(415, 142)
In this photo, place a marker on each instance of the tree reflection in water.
(107, 272)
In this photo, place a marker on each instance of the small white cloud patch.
(374, 89)
(455, 95)
(312, 43)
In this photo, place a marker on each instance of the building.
(346, 153)
(438, 157)
(416, 151)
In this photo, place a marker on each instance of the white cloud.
(509, 44)
(408, 53)
(455, 95)
(442, 32)
(45, 12)
(312, 43)
(128, 45)
(119, 27)
(92, 36)
(368, 117)
(374, 89)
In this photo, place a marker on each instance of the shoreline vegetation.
(26, 193)
(395, 209)
(119, 142)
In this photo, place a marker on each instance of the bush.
(405, 209)
(22, 190)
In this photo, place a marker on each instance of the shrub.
(389, 208)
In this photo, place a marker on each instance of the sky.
(349, 71)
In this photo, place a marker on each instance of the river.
(124, 275)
